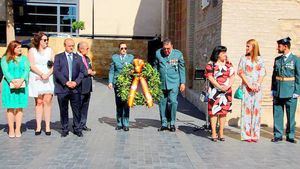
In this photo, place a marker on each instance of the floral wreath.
(129, 78)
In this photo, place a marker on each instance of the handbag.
(204, 96)
(12, 86)
(239, 93)
(50, 64)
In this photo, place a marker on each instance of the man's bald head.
(69, 45)
(83, 48)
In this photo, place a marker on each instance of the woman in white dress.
(41, 85)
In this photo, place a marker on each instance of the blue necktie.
(70, 66)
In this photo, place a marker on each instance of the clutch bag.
(12, 86)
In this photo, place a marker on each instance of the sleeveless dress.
(36, 85)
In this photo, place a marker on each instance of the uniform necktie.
(70, 66)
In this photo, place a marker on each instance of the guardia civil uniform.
(285, 89)
(116, 66)
(171, 69)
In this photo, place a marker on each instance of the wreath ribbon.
(138, 68)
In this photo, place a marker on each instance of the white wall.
(122, 18)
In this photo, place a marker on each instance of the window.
(48, 16)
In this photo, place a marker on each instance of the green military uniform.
(116, 66)
(285, 88)
(172, 73)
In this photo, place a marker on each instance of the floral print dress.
(251, 102)
(219, 103)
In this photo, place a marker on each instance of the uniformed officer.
(170, 65)
(116, 66)
(285, 89)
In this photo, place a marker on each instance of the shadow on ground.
(139, 123)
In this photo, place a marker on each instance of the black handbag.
(50, 64)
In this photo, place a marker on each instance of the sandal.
(222, 139)
(214, 139)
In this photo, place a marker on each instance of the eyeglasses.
(123, 48)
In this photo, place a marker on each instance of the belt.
(281, 78)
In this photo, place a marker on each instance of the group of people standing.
(251, 69)
(69, 76)
(170, 65)
(42, 74)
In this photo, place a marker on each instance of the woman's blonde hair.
(255, 51)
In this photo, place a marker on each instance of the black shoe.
(85, 128)
(79, 134)
(276, 139)
(118, 128)
(48, 133)
(291, 140)
(214, 139)
(172, 128)
(163, 128)
(38, 132)
(126, 128)
(64, 134)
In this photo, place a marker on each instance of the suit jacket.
(171, 69)
(61, 73)
(86, 84)
(117, 65)
(288, 68)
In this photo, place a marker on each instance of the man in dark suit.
(68, 75)
(86, 84)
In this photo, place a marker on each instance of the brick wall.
(102, 50)
(265, 21)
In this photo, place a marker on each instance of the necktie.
(85, 62)
(70, 66)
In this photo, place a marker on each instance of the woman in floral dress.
(251, 69)
(220, 74)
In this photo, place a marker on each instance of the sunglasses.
(123, 48)
(45, 40)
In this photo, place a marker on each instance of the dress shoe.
(172, 128)
(64, 134)
(118, 128)
(291, 140)
(126, 128)
(79, 134)
(38, 132)
(163, 128)
(48, 133)
(85, 128)
(276, 139)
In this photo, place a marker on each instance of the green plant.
(78, 25)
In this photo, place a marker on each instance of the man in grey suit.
(86, 84)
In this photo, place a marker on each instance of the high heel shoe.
(222, 139)
(48, 133)
(18, 135)
(38, 132)
(214, 139)
(11, 135)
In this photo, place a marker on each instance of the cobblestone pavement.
(140, 148)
